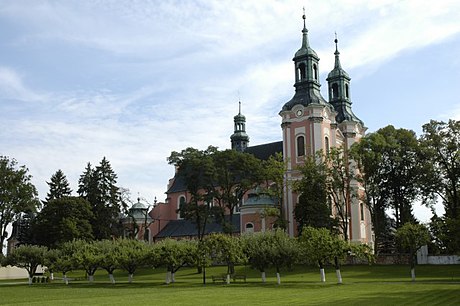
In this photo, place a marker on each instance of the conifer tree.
(59, 186)
(98, 186)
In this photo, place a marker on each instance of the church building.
(309, 123)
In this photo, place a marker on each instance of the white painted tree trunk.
(278, 278)
(173, 277)
(412, 274)
(264, 279)
(91, 278)
(112, 279)
(323, 275)
(130, 278)
(51, 276)
(168, 277)
(339, 276)
(228, 279)
(65, 279)
(30, 280)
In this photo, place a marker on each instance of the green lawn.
(363, 285)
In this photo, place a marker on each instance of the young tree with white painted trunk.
(256, 247)
(109, 257)
(283, 251)
(86, 256)
(60, 260)
(132, 254)
(174, 254)
(226, 249)
(28, 257)
(412, 237)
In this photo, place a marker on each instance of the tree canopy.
(17, 194)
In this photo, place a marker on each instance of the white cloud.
(179, 66)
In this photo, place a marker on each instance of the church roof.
(186, 228)
(264, 151)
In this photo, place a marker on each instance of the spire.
(337, 54)
(307, 85)
(304, 32)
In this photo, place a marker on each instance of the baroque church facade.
(309, 123)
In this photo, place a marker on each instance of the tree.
(316, 245)
(273, 172)
(226, 249)
(59, 186)
(98, 186)
(131, 254)
(108, 259)
(86, 256)
(17, 194)
(440, 145)
(235, 174)
(283, 251)
(174, 254)
(390, 171)
(368, 154)
(60, 260)
(412, 237)
(61, 220)
(257, 247)
(196, 168)
(313, 207)
(28, 257)
(339, 175)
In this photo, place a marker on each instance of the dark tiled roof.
(186, 228)
(264, 151)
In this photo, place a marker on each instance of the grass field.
(363, 285)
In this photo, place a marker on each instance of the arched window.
(300, 146)
(347, 91)
(249, 228)
(335, 91)
(326, 144)
(315, 72)
(361, 208)
(180, 206)
(302, 72)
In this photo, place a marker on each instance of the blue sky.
(135, 80)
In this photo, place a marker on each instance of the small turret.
(239, 137)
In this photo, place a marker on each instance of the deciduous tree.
(28, 257)
(63, 219)
(17, 194)
(412, 237)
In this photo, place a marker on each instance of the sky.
(133, 81)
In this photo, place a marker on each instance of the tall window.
(335, 91)
(300, 146)
(347, 91)
(302, 72)
(361, 208)
(315, 72)
(326, 144)
(180, 206)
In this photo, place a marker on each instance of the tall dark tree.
(17, 194)
(389, 160)
(235, 173)
(313, 208)
(62, 220)
(440, 145)
(196, 168)
(368, 154)
(98, 186)
(59, 186)
(441, 149)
